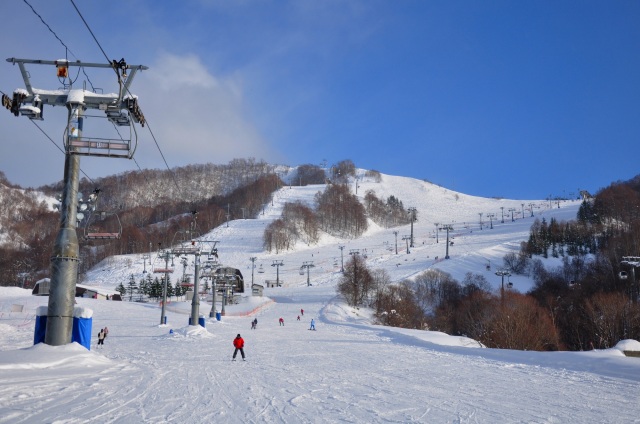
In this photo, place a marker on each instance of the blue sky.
(518, 99)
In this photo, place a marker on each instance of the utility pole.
(228, 214)
(308, 265)
(407, 238)
(166, 255)
(531, 207)
(502, 209)
(395, 233)
(253, 267)
(448, 228)
(633, 262)
(30, 102)
(342, 258)
(490, 216)
(193, 247)
(437, 229)
(277, 264)
(208, 272)
(214, 279)
(502, 273)
(512, 210)
(480, 213)
(412, 211)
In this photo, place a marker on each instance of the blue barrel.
(218, 316)
(200, 321)
(41, 328)
(81, 331)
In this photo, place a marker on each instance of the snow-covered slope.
(346, 371)
(471, 251)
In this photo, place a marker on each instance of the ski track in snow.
(343, 372)
(346, 371)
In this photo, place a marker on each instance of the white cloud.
(197, 117)
(173, 72)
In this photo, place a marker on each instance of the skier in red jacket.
(238, 343)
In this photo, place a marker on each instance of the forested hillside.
(148, 207)
(589, 300)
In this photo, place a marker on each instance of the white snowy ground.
(346, 371)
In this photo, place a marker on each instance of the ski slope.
(347, 371)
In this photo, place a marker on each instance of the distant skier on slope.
(238, 343)
(281, 321)
(313, 325)
(101, 337)
(302, 312)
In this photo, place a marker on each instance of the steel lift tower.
(121, 109)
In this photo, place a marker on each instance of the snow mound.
(191, 331)
(629, 345)
(43, 356)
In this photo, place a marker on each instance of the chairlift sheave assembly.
(121, 109)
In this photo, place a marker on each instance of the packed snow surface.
(348, 370)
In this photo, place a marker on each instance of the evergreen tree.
(178, 289)
(132, 288)
(121, 289)
(170, 290)
(156, 289)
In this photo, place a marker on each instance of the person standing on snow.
(101, 337)
(238, 343)
(281, 321)
(302, 312)
(313, 325)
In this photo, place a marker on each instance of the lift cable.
(50, 139)
(60, 40)
(116, 71)
(59, 148)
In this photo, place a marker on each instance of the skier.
(313, 325)
(302, 312)
(238, 343)
(298, 317)
(281, 321)
(106, 332)
(254, 323)
(101, 337)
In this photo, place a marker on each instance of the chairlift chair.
(94, 232)
(260, 269)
